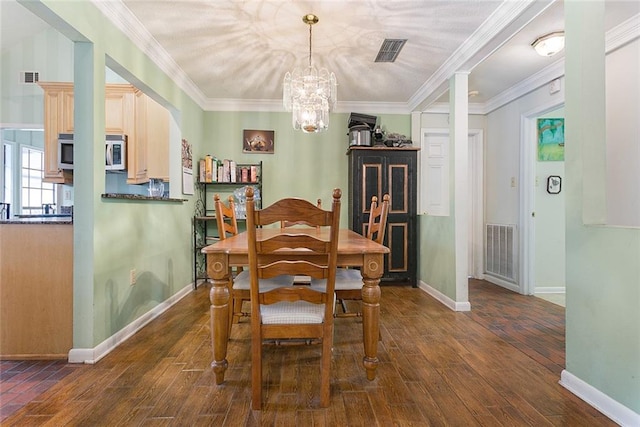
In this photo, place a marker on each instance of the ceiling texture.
(232, 55)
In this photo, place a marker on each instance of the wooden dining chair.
(292, 312)
(239, 284)
(300, 280)
(349, 280)
(285, 223)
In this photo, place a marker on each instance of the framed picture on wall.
(187, 168)
(554, 184)
(258, 141)
(550, 139)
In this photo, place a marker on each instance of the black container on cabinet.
(374, 171)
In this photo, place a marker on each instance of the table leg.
(371, 273)
(218, 271)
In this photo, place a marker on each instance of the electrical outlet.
(132, 277)
(513, 182)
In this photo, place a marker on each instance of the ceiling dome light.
(310, 93)
(550, 44)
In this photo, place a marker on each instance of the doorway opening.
(535, 206)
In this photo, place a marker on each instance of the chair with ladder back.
(349, 280)
(292, 312)
(239, 289)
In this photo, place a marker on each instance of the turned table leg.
(218, 271)
(371, 272)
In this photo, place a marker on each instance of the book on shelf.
(202, 171)
(233, 174)
(225, 170)
(208, 167)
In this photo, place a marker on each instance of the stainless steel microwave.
(115, 152)
(115, 155)
(65, 151)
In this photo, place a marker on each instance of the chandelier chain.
(310, 45)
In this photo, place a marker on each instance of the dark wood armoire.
(374, 171)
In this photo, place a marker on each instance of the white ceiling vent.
(29, 77)
(390, 49)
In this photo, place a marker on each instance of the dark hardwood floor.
(496, 365)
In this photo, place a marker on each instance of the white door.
(435, 196)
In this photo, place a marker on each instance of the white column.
(459, 131)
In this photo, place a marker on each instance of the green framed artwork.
(550, 140)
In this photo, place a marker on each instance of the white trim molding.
(93, 355)
(614, 410)
(445, 300)
(550, 290)
(501, 282)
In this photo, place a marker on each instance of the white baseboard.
(448, 302)
(501, 282)
(93, 355)
(550, 290)
(614, 410)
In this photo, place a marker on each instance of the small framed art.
(554, 184)
(258, 141)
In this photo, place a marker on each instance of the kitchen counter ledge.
(40, 220)
(138, 197)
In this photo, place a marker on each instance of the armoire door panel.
(399, 188)
(397, 239)
(371, 183)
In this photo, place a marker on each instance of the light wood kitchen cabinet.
(119, 109)
(128, 111)
(149, 157)
(157, 140)
(58, 118)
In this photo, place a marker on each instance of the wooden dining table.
(354, 250)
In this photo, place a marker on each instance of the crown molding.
(443, 108)
(615, 38)
(122, 18)
(373, 107)
(525, 86)
(623, 33)
(502, 17)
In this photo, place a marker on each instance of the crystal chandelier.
(310, 93)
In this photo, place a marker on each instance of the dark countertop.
(138, 197)
(40, 219)
(45, 216)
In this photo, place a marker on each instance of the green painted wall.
(602, 262)
(303, 165)
(437, 258)
(113, 237)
